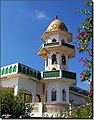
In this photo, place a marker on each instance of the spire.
(56, 16)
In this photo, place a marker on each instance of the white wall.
(11, 82)
(59, 86)
(28, 84)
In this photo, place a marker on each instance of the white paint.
(10, 82)
(15, 90)
(59, 86)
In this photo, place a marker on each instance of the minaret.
(56, 52)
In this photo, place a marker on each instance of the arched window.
(53, 94)
(63, 95)
(38, 98)
(62, 41)
(46, 61)
(54, 40)
(54, 69)
(24, 70)
(14, 68)
(10, 69)
(27, 72)
(6, 72)
(3, 71)
(63, 59)
(54, 60)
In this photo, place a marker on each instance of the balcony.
(57, 46)
(51, 74)
(51, 44)
(69, 75)
(68, 45)
(56, 73)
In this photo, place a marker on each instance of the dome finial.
(56, 16)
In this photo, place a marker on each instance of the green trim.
(49, 74)
(68, 45)
(3, 71)
(24, 70)
(10, 69)
(77, 90)
(31, 72)
(6, 72)
(68, 74)
(19, 68)
(51, 44)
(14, 68)
(27, 72)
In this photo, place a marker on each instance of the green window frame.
(14, 68)
(10, 69)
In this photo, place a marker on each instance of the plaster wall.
(57, 66)
(59, 86)
(27, 84)
(11, 82)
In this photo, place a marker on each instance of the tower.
(56, 51)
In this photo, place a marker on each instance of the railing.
(56, 73)
(68, 74)
(49, 74)
(51, 44)
(68, 45)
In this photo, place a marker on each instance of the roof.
(56, 25)
(30, 72)
(20, 69)
(79, 91)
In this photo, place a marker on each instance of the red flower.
(90, 54)
(91, 89)
(78, 37)
(85, 64)
(91, 83)
(81, 59)
(90, 93)
(81, 76)
(82, 73)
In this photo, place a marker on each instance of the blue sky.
(24, 22)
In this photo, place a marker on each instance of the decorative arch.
(3, 71)
(38, 99)
(62, 41)
(46, 61)
(24, 70)
(34, 73)
(10, 69)
(6, 72)
(53, 94)
(63, 60)
(63, 95)
(14, 68)
(31, 72)
(27, 72)
(54, 59)
(54, 69)
(54, 40)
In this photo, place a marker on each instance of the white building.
(52, 89)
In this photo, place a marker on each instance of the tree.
(84, 42)
(13, 105)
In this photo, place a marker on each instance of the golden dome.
(56, 25)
